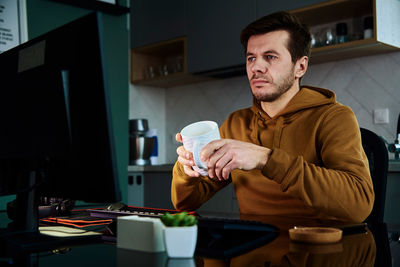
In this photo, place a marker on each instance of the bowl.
(316, 235)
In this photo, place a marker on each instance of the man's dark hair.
(299, 43)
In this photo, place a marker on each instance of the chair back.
(377, 153)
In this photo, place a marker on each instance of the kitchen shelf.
(386, 37)
(353, 49)
(162, 65)
(335, 10)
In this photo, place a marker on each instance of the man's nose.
(259, 66)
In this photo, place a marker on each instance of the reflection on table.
(352, 250)
(368, 248)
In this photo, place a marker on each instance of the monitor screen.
(56, 134)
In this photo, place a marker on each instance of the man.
(295, 152)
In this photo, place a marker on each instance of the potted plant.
(180, 234)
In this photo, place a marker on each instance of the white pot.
(180, 242)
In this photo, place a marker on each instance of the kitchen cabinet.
(212, 47)
(213, 35)
(386, 21)
(163, 64)
(153, 21)
(150, 186)
(267, 7)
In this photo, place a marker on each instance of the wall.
(44, 15)
(149, 103)
(364, 84)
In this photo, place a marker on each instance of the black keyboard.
(203, 222)
(234, 224)
(131, 210)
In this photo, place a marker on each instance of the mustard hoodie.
(317, 169)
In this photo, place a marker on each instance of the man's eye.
(270, 57)
(251, 59)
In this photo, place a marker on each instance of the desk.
(366, 249)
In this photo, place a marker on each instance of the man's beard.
(282, 86)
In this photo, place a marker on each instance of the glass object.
(149, 74)
(313, 40)
(326, 37)
(368, 27)
(341, 32)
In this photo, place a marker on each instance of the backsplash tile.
(364, 84)
(149, 103)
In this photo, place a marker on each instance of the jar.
(341, 32)
(368, 27)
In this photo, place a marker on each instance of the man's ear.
(301, 67)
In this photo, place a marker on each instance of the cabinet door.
(156, 20)
(150, 189)
(265, 7)
(214, 28)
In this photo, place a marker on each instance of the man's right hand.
(185, 158)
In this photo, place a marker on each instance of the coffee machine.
(140, 145)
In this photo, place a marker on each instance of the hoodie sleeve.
(341, 186)
(189, 193)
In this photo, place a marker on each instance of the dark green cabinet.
(213, 40)
(153, 21)
(265, 7)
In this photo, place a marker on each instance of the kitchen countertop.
(151, 168)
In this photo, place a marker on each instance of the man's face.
(269, 65)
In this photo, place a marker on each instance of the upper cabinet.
(214, 28)
(153, 21)
(343, 29)
(267, 7)
(211, 47)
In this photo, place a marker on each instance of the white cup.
(195, 136)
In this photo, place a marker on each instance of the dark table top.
(372, 247)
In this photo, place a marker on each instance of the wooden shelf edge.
(149, 48)
(350, 50)
(351, 44)
(317, 6)
(334, 10)
(172, 80)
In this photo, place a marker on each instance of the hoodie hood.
(307, 97)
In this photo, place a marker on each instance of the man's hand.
(225, 155)
(185, 158)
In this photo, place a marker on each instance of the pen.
(350, 229)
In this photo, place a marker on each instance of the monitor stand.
(22, 237)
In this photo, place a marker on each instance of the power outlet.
(381, 116)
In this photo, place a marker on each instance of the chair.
(377, 153)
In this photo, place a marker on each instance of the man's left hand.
(224, 155)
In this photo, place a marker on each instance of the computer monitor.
(56, 133)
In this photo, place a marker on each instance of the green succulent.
(178, 219)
